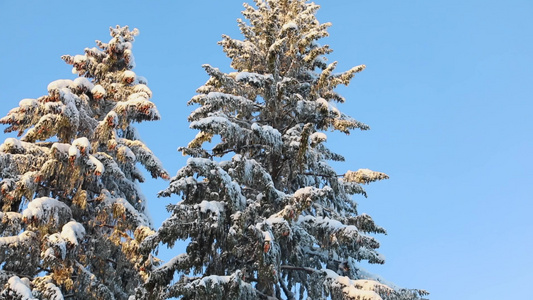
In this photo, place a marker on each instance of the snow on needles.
(213, 206)
(27, 103)
(72, 232)
(82, 144)
(355, 289)
(290, 26)
(59, 84)
(12, 145)
(98, 91)
(21, 288)
(318, 137)
(268, 135)
(364, 176)
(253, 78)
(46, 208)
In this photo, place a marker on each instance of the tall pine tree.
(267, 217)
(73, 214)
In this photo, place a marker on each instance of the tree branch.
(235, 150)
(293, 268)
(322, 175)
(265, 295)
(288, 293)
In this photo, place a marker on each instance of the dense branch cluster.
(267, 217)
(264, 214)
(69, 189)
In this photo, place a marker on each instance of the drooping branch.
(288, 293)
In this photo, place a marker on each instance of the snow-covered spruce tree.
(72, 213)
(270, 219)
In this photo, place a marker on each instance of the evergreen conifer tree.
(73, 214)
(266, 216)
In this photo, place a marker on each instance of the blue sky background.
(447, 92)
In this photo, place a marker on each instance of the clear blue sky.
(447, 92)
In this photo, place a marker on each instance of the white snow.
(276, 46)
(80, 59)
(128, 45)
(324, 222)
(98, 91)
(218, 99)
(112, 117)
(83, 82)
(82, 144)
(21, 287)
(355, 289)
(364, 176)
(356, 293)
(56, 240)
(129, 75)
(129, 58)
(142, 88)
(318, 137)
(267, 236)
(12, 143)
(73, 151)
(71, 112)
(254, 78)
(99, 167)
(12, 217)
(54, 293)
(72, 232)
(137, 218)
(290, 26)
(137, 98)
(243, 76)
(217, 125)
(275, 219)
(53, 107)
(59, 84)
(218, 95)
(214, 280)
(60, 147)
(303, 192)
(28, 180)
(50, 251)
(334, 110)
(233, 188)
(38, 208)
(17, 239)
(137, 104)
(248, 169)
(126, 153)
(213, 206)
(268, 135)
(28, 103)
(170, 265)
